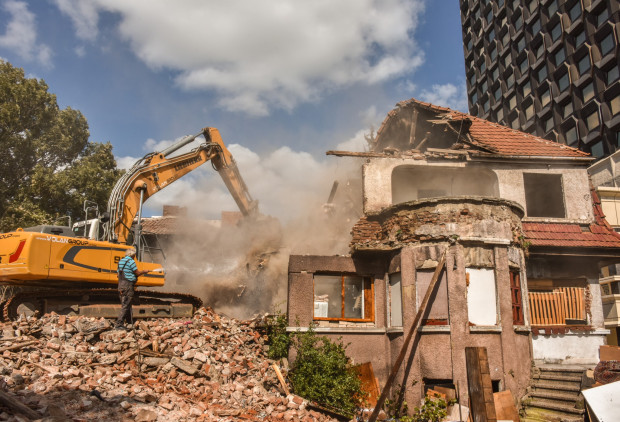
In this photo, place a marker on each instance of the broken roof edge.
(484, 134)
(474, 155)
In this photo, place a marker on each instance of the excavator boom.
(157, 170)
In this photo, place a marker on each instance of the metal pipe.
(138, 231)
(180, 144)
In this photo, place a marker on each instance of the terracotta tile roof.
(496, 138)
(597, 235)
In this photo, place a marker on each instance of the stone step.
(562, 368)
(554, 377)
(540, 415)
(556, 386)
(552, 405)
(552, 389)
(566, 398)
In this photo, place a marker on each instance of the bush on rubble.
(322, 373)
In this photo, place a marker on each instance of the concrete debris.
(208, 368)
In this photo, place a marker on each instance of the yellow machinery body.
(29, 257)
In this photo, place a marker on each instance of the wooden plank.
(367, 376)
(536, 312)
(581, 299)
(560, 308)
(536, 308)
(552, 312)
(505, 408)
(449, 393)
(545, 308)
(479, 385)
(281, 379)
(539, 309)
(413, 330)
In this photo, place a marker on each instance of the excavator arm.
(157, 170)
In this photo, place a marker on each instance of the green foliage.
(322, 373)
(279, 340)
(432, 410)
(49, 167)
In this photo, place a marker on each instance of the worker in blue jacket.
(127, 277)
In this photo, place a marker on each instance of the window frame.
(518, 315)
(368, 288)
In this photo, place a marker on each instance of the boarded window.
(438, 303)
(343, 297)
(395, 306)
(481, 298)
(544, 196)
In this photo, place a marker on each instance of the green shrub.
(278, 339)
(322, 373)
(433, 410)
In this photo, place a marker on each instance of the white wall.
(569, 348)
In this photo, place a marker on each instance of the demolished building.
(522, 233)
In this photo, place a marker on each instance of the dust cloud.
(242, 269)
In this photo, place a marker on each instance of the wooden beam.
(413, 330)
(479, 385)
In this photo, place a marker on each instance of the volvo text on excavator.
(57, 271)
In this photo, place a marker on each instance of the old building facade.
(522, 236)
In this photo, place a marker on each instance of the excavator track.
(99, 303)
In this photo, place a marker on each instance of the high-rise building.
(546, 67)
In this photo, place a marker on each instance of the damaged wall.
(483, 240)
(385, 182)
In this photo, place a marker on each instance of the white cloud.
(447, 95)
(258, 56)
(125, 163)
(286, 183)
(83, 14)
(20, 34)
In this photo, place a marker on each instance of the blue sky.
(284, 81)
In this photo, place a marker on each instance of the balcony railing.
(558, 306)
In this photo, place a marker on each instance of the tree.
(50, 166)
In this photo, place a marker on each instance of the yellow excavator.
(57, 271)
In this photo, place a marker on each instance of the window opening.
(343, 297)
(571, 136)
(592, 120)
(607, 44)
(544, 196)
(584, 64)
(563, 82)
(588, 92)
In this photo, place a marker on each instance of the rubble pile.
(209, 368)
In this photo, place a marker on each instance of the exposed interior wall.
(575, 186)
(387, 181)
(410, 183)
